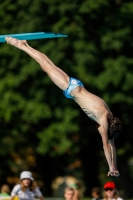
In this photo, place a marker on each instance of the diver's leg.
(58, 76)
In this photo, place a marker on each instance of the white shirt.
(27, 194)
(116, 199)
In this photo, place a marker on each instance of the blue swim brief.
(73, 83)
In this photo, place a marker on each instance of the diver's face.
(113, 135)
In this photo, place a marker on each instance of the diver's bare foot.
(15, 42)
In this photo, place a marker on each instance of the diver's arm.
(106, 146)
(114, 160)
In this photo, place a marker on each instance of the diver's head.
(115, 128)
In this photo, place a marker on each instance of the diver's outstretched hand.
(114, 173)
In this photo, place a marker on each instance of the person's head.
(69, 193)
(115, 128)
(79, 190)
(95, 192)
(110, 191)
(5, 189)
(26, 179)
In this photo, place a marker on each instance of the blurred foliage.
(43, 131)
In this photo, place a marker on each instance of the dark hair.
(115, 128)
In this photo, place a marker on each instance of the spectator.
(69, 193)
(95, 192)
(78, 194)
(110, 192)
(5, 190)
(27, 189)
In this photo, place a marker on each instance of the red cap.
(109, 185)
